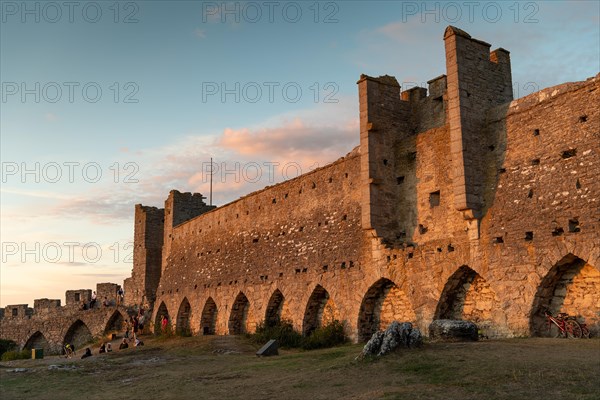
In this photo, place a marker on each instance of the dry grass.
(221, 367)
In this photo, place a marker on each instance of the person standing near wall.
(135, 322)
(120, 295)
(163, 324)
(93, 301)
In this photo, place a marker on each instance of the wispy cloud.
(291, 139)
(51, 117)
(101, 275)
(35, 193)
(74, 264)
(308, 139)
(200, 33)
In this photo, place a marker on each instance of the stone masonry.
(459, 203)
(49, 325)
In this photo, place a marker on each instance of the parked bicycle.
(562, 325)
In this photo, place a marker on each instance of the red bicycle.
(585, 332)
(564, 326)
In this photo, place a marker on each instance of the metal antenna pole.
(211, 174)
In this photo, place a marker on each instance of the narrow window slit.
(574, 225)
(569, 153)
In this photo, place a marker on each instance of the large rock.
(452, 330)
(396, 335)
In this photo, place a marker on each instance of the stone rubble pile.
(397, 334)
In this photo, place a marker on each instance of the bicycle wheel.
(554, 331)
(573, 329)
(585, 333)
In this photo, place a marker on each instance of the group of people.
(106, 347)
(106, 302)
(133, 326)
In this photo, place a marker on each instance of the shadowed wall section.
(209, 317)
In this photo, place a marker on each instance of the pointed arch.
(115, 323)
(571, 286)
(275, 307)
(208, 321)
(78, 334)
(466, 296)
(162, 311)
(37, 341)
(383, 303)
(320, 310)
(183, 318)
(238, 318)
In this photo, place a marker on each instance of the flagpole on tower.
(211, 174)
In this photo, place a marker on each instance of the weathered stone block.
(453, 330)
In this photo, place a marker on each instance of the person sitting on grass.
(123, 344)
(102, 348)
(138, 342)
(108, 347)
(88, 353)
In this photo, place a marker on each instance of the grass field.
(225, 367)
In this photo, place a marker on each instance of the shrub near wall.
(282, 331)
(7, 345)
(330, 335)
(16, 355)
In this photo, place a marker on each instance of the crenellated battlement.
(74, 299)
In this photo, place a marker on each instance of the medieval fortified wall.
(459, 203)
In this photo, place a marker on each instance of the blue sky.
(239, 81)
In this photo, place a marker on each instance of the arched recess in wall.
(183, 318)
(275, 309)
(238, 318)
(383, 303)
(571, 286)
(468, 296)
(162, 311)
(78, 335)
(37, 341)
(208, 321)
(320, 310)
(115, 323)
